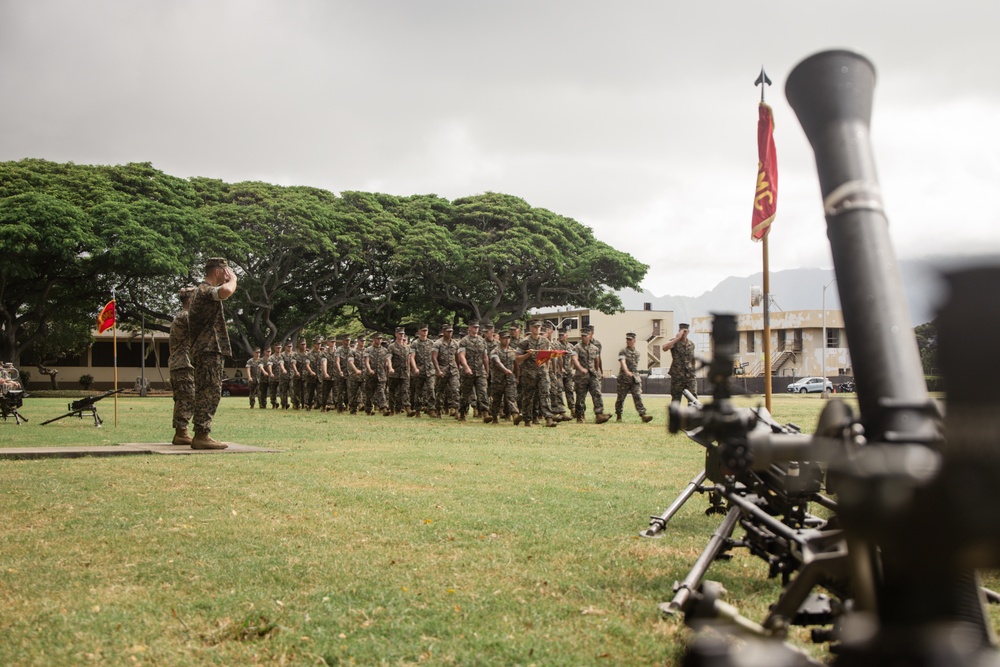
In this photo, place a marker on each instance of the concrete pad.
(124, 449)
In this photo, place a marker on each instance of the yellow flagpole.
(767, 329)
(114, 346)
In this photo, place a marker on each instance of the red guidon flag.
(765, 201)
(106, 319)
(541, 356)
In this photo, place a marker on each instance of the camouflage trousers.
(355, 386)
(679, 383)
(311, 387)
(504, 396)
(423, 385)
(340, 392)
(474, 384)
(327, 389)
(588, 384)
(272, 392)
(182, 382)
(556, 403)
(284, 388)
(535, 395)
(375, 393)
(399, 393)
(207, 389)
(298, 391)
(629, 385)
(254, 387)
(569, 389)
(448, 389)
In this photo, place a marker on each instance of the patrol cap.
(562, 331)
(401, 330)
(303, 341)
(447, 327)
(505, 334)
(535, 323)
(548, 325)
(343, 337)
(474, 323)
(423, 327)
(319, 340)
(288, 343)
(587, 330)
(631, 335)
(684, 325)
(486, 326)
(216, 262)
(377, 334)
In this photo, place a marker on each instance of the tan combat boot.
(181, 437)
(601, 418)
(647, 418)
(205, 441)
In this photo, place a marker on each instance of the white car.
(809, 386)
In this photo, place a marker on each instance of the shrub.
(86, 380)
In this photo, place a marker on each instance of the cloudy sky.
(636, 118)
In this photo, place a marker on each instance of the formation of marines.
(540, 378)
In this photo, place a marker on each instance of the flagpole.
(114, 346)
(767, 327)
(763, 81)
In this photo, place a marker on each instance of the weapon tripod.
(77, 408)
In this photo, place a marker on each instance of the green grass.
(368, 540)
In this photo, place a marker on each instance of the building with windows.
(98, 361)
(652, 329)
(798, 348)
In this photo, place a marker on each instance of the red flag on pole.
(765, 201)
(106, 319)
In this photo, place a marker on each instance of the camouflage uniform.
(566, 376)
(311, 382)
(328, 379)
(299, 376)
(473, 348)
(532, 380)
(340, 372)
(209, 345)
(273, 370)
(682, 369)
(253, 379)
(376, 370)
(399, 379)
(589, 381)
(447, 383)
(263, 379)
(355, 377)
(285, 376)
(503, 385)
(181, 370)
(629, 385)
(424, 381)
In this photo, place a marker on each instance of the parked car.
(809, 385)
(846, 387)
(235, 387)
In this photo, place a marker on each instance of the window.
(833, 337)
(751, 342)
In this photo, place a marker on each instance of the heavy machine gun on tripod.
(88, 404)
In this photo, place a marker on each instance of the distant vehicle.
(810, 386)
(235, 387)
(846, 387)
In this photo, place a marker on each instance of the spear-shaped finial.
(761, 80)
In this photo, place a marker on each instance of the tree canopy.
(306, 258)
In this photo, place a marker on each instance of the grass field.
(367, 540)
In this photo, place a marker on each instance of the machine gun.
(11, 394)
(915, 494)
(88, 404)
